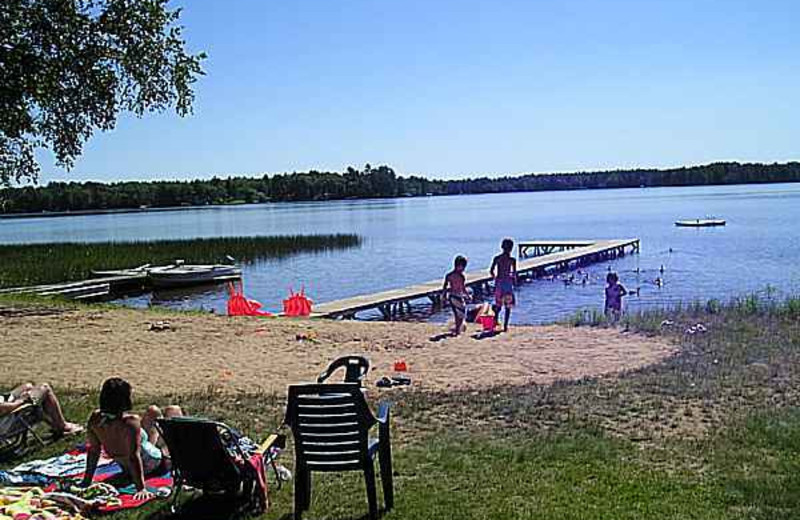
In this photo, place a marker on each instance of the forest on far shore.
(369, 182)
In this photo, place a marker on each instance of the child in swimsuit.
(132, 442)
(614, 293)
(504, 272)
(455, 292)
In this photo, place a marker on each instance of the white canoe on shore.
(701, 222)
(122, 272)
(181, 275)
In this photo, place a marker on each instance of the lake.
(413, 240)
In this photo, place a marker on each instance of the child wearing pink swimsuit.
(614, 293)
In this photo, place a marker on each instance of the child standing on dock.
(614, 293)
(455, 292)
(504, 272)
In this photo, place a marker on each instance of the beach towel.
(64, 466)
(34, 503)
(159, 485)
(59, 474)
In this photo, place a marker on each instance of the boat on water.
(121, 272)
(701, 222)
(182, 275)
(179, 274)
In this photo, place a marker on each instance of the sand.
(79, 348)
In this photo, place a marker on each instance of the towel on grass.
(58, 474)
(33, 503)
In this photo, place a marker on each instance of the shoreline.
(120, 211)
(77, 347)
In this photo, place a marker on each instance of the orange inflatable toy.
(238, 305)
(297, 304)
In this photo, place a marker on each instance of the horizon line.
(463, 177)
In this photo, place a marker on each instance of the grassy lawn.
(712, 433)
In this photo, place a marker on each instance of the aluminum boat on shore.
(180, 274)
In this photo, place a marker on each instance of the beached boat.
(181, 275)
(700, 222)
(121, 272)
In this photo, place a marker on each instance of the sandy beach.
(78, 348)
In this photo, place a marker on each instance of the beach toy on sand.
(297, 304)
(486, 318)
(400, 365)
(487, 322)
(238, 305)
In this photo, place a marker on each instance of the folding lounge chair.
(331, 425)
(207, 455)
(16, 426)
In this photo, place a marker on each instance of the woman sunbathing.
(132, 442)
(43, 396)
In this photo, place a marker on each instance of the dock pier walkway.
(537, 259)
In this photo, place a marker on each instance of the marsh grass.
(32, 264)
(711, 433)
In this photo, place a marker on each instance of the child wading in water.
(455, 291)
(614, 293)
(504, 272)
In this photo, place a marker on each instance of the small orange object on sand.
(400, 365)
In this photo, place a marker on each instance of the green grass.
(711, 433)
(31, 264)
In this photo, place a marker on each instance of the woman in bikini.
(132, 442)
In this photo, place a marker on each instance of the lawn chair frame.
(331, 425)
(222, 474)
(17, 426)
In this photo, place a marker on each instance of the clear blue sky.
(458, 87)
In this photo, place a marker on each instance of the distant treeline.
(369, 182)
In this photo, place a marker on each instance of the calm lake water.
(407, 241)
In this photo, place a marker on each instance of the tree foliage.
(69, 67)
(368, 182)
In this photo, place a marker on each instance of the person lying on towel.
(132, 441)
(43, 397)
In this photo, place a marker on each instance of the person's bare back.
(504, 267)
(117, 435)
(456, 283)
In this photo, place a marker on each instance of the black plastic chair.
(356, 369)
(331, 425)
(16, 426)
(207, 455)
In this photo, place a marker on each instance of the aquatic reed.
(31, 264)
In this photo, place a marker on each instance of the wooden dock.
(545, 247)
(93, 288)
(569, 254)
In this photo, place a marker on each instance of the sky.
(456, 88)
